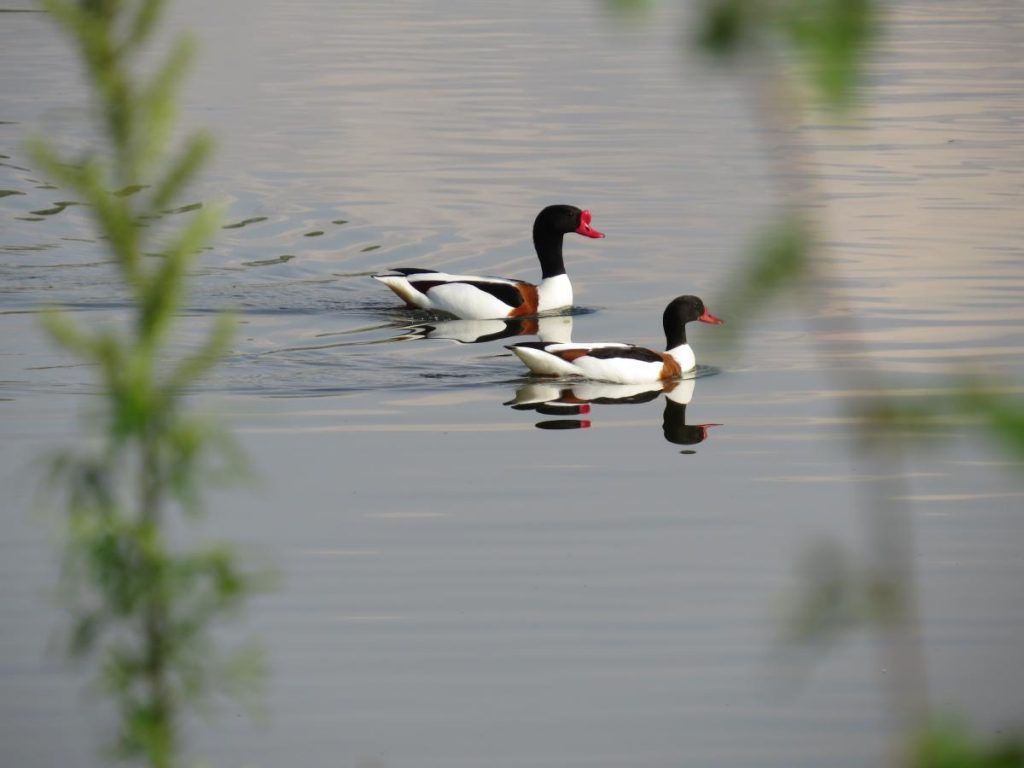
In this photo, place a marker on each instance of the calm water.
(459, 587)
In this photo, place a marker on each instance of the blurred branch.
(830, 37)
(143, 608)
(948, 744)
(822, 45)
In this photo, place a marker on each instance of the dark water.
(460, 587)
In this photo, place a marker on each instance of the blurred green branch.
(821, 47)
(997, 411)
(830, 37)
(778, 263)
(141, 604)
(948, 744)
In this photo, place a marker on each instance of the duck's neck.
(675, 334)
(549, 250)
(554, 292)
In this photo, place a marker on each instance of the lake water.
(459, 587)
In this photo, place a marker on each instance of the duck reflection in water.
(576, 399)
(555, 328)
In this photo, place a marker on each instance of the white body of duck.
(622, 363)
(476, 297)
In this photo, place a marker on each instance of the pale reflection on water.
(574, 399)
(460, 588)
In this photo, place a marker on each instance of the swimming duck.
(480, 298)
(618, 362)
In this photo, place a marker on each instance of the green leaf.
(143, 23)
(181, 171)
(143, 609)
(158, 105)
(63, 330)
(829, 37)
(832, 37)
(629, 8)
(162, 292)
(724, 25)
(948, 744)
(217, 344)
(1002, 414)
(779, 262)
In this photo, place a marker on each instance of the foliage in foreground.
(142, 604)
(829, 40)
(948, 744)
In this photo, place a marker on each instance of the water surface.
(460, 587)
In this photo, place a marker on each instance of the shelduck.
(622, 363)
(481, 298)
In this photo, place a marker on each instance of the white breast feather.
(683, 355)
(554, 293)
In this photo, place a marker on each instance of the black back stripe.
(425, 285)
(503, 292)
(630, 353)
